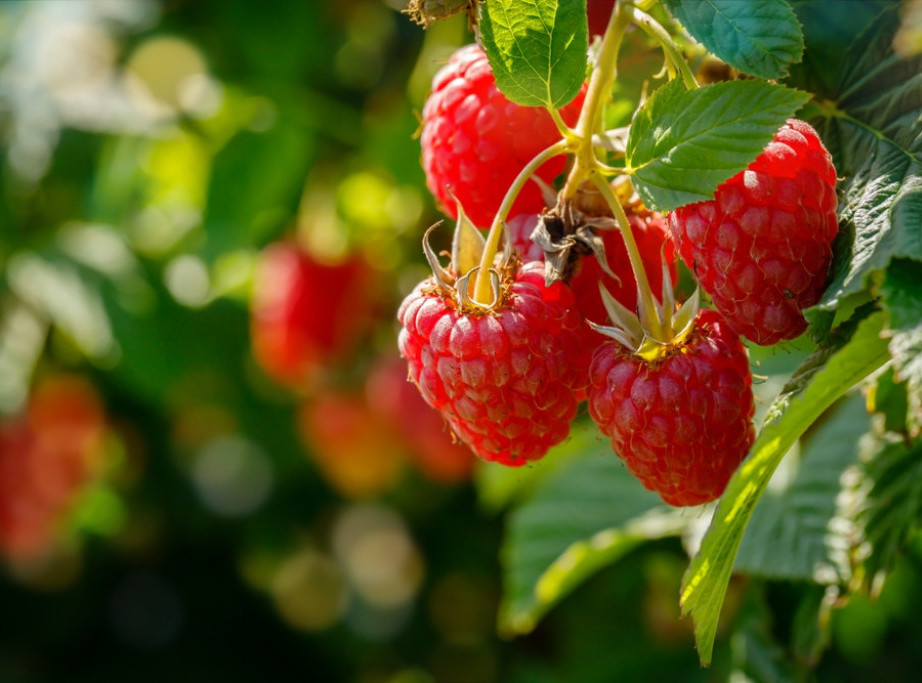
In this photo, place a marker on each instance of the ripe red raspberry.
(475, 141)
(306, 313)
(762, 247)
(504, 379)
(649, 230)
(598, 12)
(682, 424)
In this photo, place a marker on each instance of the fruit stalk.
(645, 298)
(598, 92)
(483, 289)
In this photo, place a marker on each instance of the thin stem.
(655, 30)
(562, 127)
(483, 289)
(596, 96)
(646, 300)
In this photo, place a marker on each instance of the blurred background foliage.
(177, 508)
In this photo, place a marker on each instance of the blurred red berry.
(435, 451)
(357, 451)
(47, 456)
(306, 313)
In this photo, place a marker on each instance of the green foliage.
(902, 290)
(537, 49)
(871, 129)
(823, 378)
(761, 37)
(885, 505)
(590, 514)
(683, 144)
(791, 535)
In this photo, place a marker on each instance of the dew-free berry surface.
(475, 141)
(683, 424)
(506, 380)
(651, 235)
(762, 247)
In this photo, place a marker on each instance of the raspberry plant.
(779, 239)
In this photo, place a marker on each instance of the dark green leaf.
(873, 131)
(683, 144)
(759, 37)
(824, 377)
(585, 516)
(537, 49)
(902, 290)
(885, 504)
(830, 28)
(789, 535)
(756, 654)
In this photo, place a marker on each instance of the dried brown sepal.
(424, 12)
(567, 237)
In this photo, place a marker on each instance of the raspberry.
(649, 230)
(356, 450)
(682, 424)
(504, 379)
(762, 247)
(48, 456)
(598, 12)
(475, 141)
(435, 453)
(306, 313)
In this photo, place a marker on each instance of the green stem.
(655, 30)
(596, 96)
(483, 289)
(562, 127)
(645, 294)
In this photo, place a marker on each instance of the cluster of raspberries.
(508, 379)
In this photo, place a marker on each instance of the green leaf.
(824, 377)
(902, 290)
(683, 144)
(537, 49)
(830, 28)
(755, 653)
(872, 130)
(254, 188)
(759, 37)
(590, 513)
(789, 536)
(885, 504)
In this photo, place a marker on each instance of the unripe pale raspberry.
(475, 141)
(681, 424)
(762, 247)
(505, 380)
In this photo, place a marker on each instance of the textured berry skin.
(650, 233)
(506, 381)
(683, 424)
(475, 141)
(762, 247)
(306, 314)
